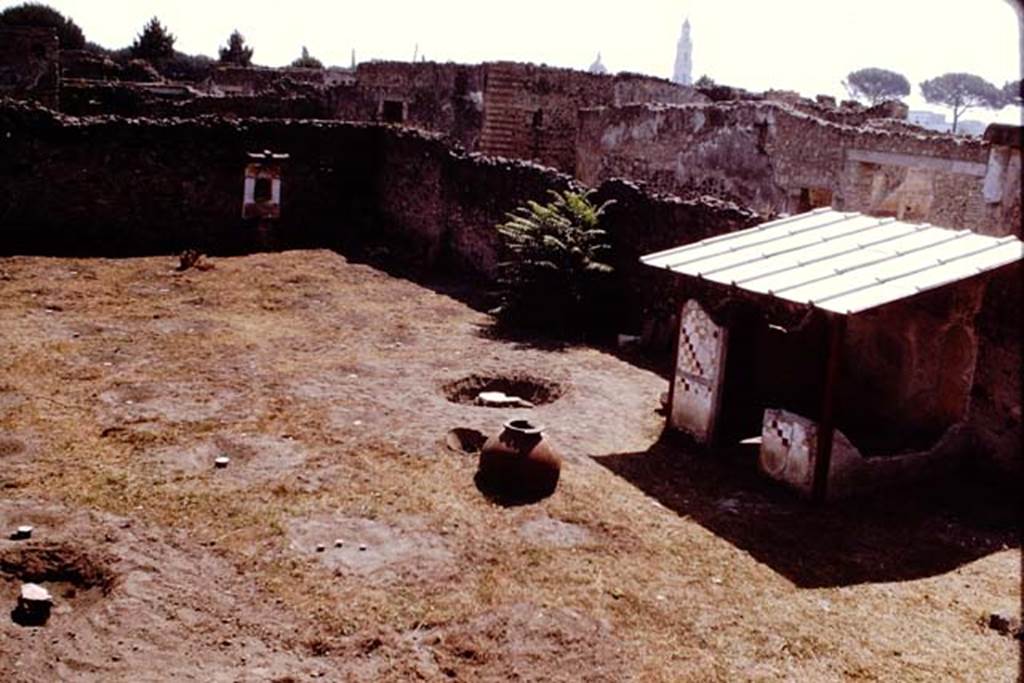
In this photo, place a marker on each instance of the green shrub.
(556, 270)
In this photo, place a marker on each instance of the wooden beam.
(826, 421)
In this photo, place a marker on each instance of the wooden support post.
(826, 421)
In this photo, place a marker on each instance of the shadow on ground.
(893, 535)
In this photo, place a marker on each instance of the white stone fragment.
(499, 399)
(33, 592)
(34, 603)
(222, 462)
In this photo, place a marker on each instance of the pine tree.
(237, 52)
(154, 43)
(960, 92)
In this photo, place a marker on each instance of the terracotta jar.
(518, 465)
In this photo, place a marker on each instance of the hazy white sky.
(803, 45)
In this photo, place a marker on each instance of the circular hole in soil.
(535, 390)
(465, 440)
(74, 578)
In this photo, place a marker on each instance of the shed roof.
(845, 262)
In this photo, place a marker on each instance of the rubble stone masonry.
(30, 64)
(773, 158)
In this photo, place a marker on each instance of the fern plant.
(557, 261)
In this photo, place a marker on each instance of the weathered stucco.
(773, 158)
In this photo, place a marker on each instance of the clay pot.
(518, 465)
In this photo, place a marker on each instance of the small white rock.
(33, 592)
(22, 532)
(34, 603)
(338, 542)
(320, 547)
(222, 462)
(362, 546)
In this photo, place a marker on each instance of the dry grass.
(111, 362)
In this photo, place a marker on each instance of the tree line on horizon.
(957, 90)
(155, 43)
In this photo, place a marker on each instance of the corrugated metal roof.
(845, 262)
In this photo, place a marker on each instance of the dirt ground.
(346, 541)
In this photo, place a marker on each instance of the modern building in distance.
(936, 121)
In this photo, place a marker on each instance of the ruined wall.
(688, 151)
(30, 64)
(129, 186)
(249, 80)
(531, 112)
(95, 98)
(445, 98)
(775, 159)
(513, 110)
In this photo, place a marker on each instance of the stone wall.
(444, 98)
(506, 109)
(688, 151)
(95, 98)
(770, 157)
(531, 112)
(30, 64)
(250, 80)
(113, 186)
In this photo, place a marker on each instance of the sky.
(802, 45)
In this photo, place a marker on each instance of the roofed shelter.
(845, 341)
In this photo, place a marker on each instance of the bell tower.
(683, 74)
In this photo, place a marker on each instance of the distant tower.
(684, 57)
(597, 67)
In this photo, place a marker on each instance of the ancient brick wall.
(30, 64)
(531, 112)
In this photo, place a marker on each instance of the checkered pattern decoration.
(697, 372)
(698, 343)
